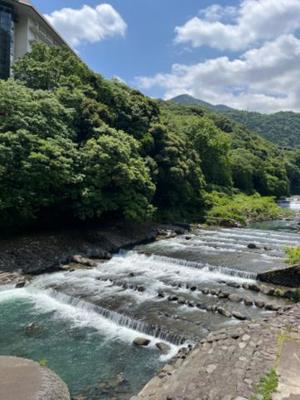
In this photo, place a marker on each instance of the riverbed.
(82, 323)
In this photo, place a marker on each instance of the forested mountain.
(75, 145)
(282, 128)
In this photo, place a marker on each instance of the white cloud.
(216, 12)
(264, 79)
(253, 22)
(87, 24)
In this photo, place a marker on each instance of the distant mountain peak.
(190, 100)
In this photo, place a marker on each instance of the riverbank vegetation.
(293, 255)
(267, 386)
(76, 146)
(240, 209)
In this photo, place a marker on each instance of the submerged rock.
(34, 330)
(164, 348)
(141, 342)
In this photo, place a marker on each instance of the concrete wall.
(21, 38)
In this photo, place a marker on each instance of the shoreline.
(49, 251)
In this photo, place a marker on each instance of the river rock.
(188, 237)
(239, 316)
(173, 297)
(78, 259)
(268, 291)
(164, 348)
(20, 284)
(254, 287)
(252, 246)
(179, 231)
(248, 302)
(181, 300)
(272, 307)
(259, 303)
(235, 298)
(233, 284)
(224, 312)
(141, 342)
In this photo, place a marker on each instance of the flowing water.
(173, 291)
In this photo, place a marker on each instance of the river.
(173, 291)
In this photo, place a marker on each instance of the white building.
(20, 26)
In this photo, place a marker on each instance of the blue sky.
(243, 53)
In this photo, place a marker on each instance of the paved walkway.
(22, 379)
(228, 364)
(288, 370)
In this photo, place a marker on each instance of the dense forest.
(75, 145)
(282, 128)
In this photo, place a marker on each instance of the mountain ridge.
(282, 127)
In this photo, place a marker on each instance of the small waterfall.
(206, 267)
(119, 319)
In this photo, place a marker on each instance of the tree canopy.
(74, 143)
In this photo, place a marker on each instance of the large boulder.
(141, 342)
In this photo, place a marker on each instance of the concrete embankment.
(23, 379)
(229, 363)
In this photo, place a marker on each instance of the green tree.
(116, 178)
(177, 174)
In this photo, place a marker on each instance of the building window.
(6, 39)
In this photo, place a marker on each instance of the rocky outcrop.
(285, 277)
(23, 379)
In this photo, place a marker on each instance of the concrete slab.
(289, 371)
(22, 379)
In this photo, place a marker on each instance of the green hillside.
(75, 146)
(282, 128)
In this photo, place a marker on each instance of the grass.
(43, 362)
(267, 386)
(293, 255)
